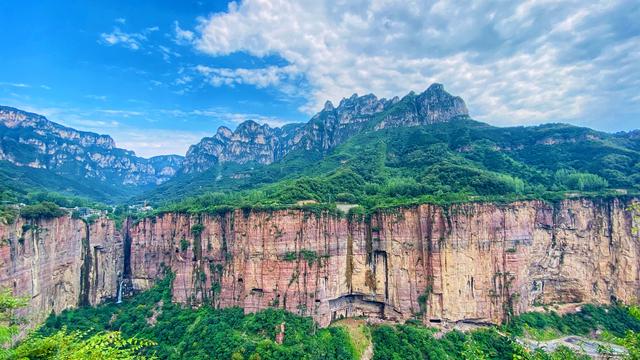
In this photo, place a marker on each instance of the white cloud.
(183, 80)
(17, 85)
(527, 62)
(96, 97)
(182, 36)
(152, 142)
(121, 20)
(229, 117)
(123, 113)
(96, 125)
(167, 53)
(132, 41)
(260, 77)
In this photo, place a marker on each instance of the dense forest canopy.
(149, 325)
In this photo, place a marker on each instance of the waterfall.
(120, 291)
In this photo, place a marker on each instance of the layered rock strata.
(471, 262)
(59, 263)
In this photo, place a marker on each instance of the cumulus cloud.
(513, 62)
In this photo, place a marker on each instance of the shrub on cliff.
(43, 210)
(9, 322)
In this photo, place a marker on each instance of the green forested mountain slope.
(16, 182)
(462, 159)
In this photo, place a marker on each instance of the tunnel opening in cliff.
(355, 305)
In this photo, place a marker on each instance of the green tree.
(9, 322)
(63, 345)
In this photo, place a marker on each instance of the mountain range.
(40, 155)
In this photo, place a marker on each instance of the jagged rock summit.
(251, 142)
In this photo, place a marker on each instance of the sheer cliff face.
(475, 262)
(59, 263)
(252, 142)
(31, 140)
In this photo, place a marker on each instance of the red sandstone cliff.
(473, 262)
(478, 262)
(59, 263)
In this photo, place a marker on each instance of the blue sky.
(159, 75)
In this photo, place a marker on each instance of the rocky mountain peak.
(437, 105)
(224, 132)
(328, 106)
(435, 88)
(327, 129)
(14, 118)
(249, 126)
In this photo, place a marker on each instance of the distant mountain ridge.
(427, 138)
(252, 142)
(31, 140)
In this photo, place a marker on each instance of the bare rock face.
(59, 263)
(471, 262)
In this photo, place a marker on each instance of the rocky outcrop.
(31, 140)
(470, 262)
(251, 142)
(60, 263)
